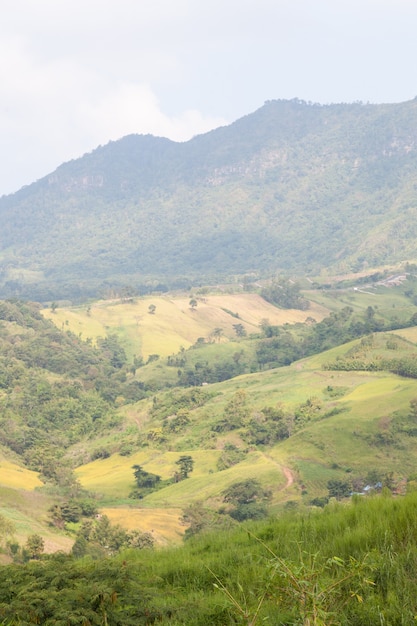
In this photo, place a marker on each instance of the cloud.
(56, 108)
(76, 74)
(135, 108)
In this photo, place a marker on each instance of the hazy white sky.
(76, 74)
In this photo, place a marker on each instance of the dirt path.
(288, 473)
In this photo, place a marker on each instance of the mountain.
(293, 187)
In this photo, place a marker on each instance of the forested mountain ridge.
(294, 186)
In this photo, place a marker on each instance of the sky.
(77, 74)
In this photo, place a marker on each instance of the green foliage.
(285, 294)
(179, 422)
(185, 466)
(239, 330)
(134, 190)
(57, 389)
(235, 414)
(172, 402)
(277, 349)
(145, 479)
(201, 519)
(268, 426)
(60, 591)
(98, 538)
(231, 455)
(346, 564)
(247, 499)
(113, 351)
(34, 546)
(339, 489)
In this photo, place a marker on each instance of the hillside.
(293, 406)
(175, 324)
(291, 187)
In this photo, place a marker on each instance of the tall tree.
(186, 466)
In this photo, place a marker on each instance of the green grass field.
(28, 511)
(335, 443)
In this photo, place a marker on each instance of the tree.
(413, 408)
(248, 499)
(231, 455)
(100, 538)
(244, 492)
(338, 489)
(236, 411)
(151, 309)
(113, 350)
(268, 426)
(199, 518)
(240, 330)
(217, 333)
(34, 546)
(145, 479)
(286, 294)
(186, 466)
(193, 304)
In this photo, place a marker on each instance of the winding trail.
(288, 473)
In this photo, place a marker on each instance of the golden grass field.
(407, 333)
(174, 324)
(163, 524)
(21, 504)
(16, 477)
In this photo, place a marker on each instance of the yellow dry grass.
(408, 333)
(252, 309)
(163, 524)
(16, 477)
(174, 324)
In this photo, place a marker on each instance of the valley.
(305, 436)
(208, 377)
(331, 416)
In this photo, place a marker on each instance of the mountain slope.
(293, 186)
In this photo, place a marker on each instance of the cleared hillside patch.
(113, 477)
(174, 324)
(210, 486)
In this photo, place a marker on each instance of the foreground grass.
(351, 564)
